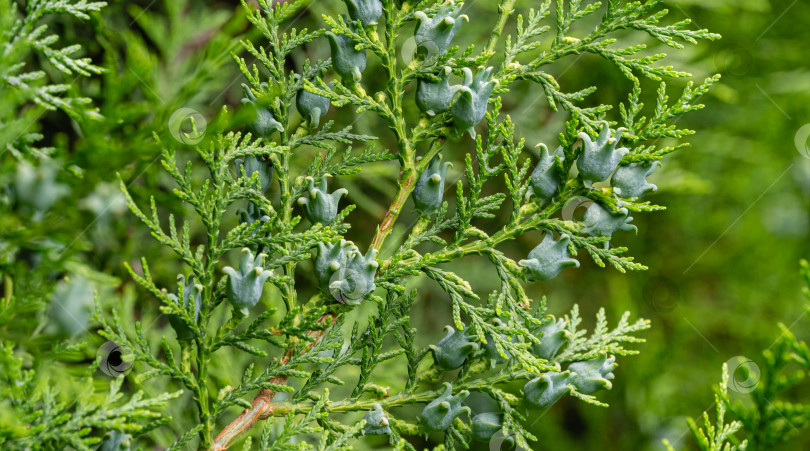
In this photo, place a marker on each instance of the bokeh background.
(723, 257)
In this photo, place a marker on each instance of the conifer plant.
(246, 288)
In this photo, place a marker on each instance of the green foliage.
(719, 436)
(502, 327)
(58, 202)
(24, 34)
(47, 402)
(296, 354)
(767, 416)
(36, 416)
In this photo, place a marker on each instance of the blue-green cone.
(491, 351)
(429, 189)
(312, 107)
(253, 165)
(593, 375)
(599, 221)
(187, 290)
(547, 175)
(376, 421)
(485, 425)
(548, 258)
(471, 105)
(116, 441)
(435, 97)
(631, 180)
(252, 214)
(348, 62)
(246, 284)
(319, 206)
(71, 305)
(368, 12)
(440, 413)
(36, 186)
(553, 337)
(354, 280)
(599, 158)
(452, 351)
(264, 123)
(433, 34)
(331, 258)
(542, 392)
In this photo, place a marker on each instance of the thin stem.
(406, 184)
(261, 407)
(202, 398)
(401, 399)
(505, 9)
(8, 288)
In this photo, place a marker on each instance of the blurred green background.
(723, 257)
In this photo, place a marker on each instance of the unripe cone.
(439, 414)
(246, 284)
(429, 189)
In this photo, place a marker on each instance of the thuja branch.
(405, 186)
(492, 340)
(262, 407)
